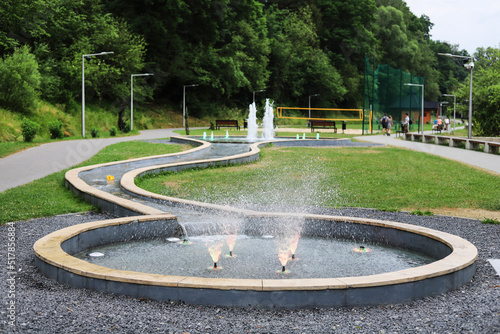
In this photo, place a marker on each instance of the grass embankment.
(49, 196)
(382, 178)
(99, 117)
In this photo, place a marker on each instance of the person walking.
(383, 121)
(389, 125)
(447, 124)
(406, 124)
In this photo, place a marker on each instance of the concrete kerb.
(59, 264)
(56, 263)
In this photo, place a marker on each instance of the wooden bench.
(442, 140)
(474, 144)
(322, 124)
(428, 138)
(226, 123)
(439, 128)
(417, 137)
(491, 147)
(456, 141)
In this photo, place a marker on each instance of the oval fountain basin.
(453, 267)
(255, 258)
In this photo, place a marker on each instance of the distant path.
(37, 162)
(487, 161)
(40, 161)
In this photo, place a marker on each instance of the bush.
(55, 129)
(29, 129)
(126, 128)
(112, 131)
(20, 81)
(94, 133)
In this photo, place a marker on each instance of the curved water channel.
(160, 216)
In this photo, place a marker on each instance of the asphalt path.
(40, 161)
(487, 161)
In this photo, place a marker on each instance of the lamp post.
(470, 67)
(310, 104)
(83, 84)
(257, 91)
(184, 104)
(132, 96)
(421, 117)
(454, 109)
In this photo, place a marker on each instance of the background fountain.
(267, 122)
(252, 123)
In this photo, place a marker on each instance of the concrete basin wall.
(454, 268)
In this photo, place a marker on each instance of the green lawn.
(49, 196)
(383, 178)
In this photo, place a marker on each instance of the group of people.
(386, 122)
(438, 124)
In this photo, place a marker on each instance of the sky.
(470, 24)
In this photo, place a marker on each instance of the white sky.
(470, 24)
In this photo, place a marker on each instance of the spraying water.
(268, 121)
(252, 123)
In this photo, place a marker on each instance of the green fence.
(385, 92)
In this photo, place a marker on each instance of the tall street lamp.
(310, 104)
(454, 109)
(422, 116)
(257, 91)
(132, 96)
(83, 84)
(184, 104)
(470, 66)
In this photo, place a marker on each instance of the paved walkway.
(43, 160)
(40, 161)
(487, 161)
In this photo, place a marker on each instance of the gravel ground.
(45, 306)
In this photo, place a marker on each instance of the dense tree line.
(290, 48)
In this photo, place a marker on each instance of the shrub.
(492, 221)
(55, 129)
(29, 129)
(94, 133)
(126, 128)
(112, 131)
(422, 213)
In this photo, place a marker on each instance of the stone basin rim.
(49, 250)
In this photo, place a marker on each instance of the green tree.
(19, 81)
(298, 66)
(486, 92)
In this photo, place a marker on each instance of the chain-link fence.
(385, 92)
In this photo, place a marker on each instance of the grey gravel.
(45, 306)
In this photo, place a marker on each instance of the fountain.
(267, 122)
(275, 236)
(252, 123)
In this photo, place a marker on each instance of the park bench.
(322, 124)
(474, 144)
(417, 137)
(442, 140)
(438, 128)
(491, 147)
(226, 123)
(456, 141)
(428, 138)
